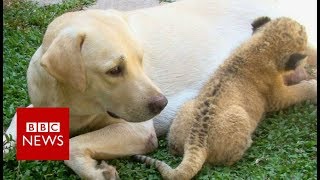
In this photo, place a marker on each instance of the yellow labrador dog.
(117, 71)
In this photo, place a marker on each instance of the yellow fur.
(216, 126)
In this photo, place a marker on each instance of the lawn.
(284, 146)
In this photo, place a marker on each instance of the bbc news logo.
(43, 127)
(42, 134)
(35, 140)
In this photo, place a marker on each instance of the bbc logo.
(42, 132)
(43, 127)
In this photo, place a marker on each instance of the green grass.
(284, 145)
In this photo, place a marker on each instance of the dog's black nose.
(157, 104)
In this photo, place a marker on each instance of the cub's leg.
(115, 140)
(230, 136)
(304, 72)
(284, 96)
(180, 128)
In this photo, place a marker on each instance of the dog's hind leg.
(11, 131)
(113, 141)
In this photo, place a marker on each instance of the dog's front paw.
(151, 143)
(108, 172)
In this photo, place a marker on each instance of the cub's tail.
(162, 167)
(191, 164)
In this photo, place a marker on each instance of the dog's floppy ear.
(257, 23)
(63, 59)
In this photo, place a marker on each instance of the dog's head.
(96, 59)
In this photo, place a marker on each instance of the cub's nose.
(157, 104)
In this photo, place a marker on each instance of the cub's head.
(284, 39)
(99, 64)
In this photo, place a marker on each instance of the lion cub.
(217, 125)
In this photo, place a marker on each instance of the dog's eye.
(116, 71)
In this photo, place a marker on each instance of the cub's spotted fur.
(216, 126)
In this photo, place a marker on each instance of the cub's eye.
(116, 71)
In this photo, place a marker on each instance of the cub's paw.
(174, 151)
(312, 84)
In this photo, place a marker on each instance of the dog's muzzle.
(157, 104)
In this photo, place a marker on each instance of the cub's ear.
(294, 61)
(63, 59)
(257, 23)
